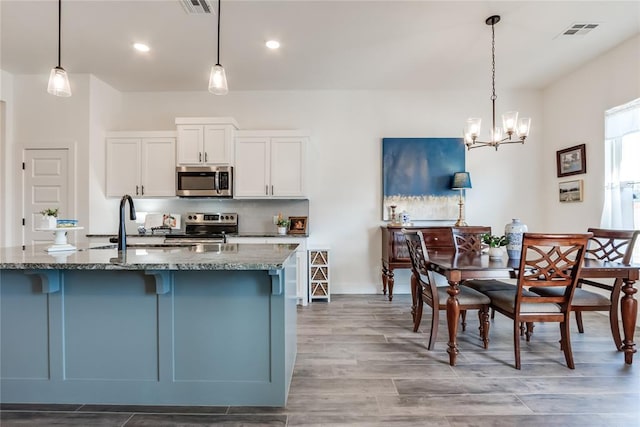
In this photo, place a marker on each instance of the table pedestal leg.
(453, 313)
(629, 311)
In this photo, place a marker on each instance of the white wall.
(105, 107)
(574, 109)
(345, 182)
(6, 154)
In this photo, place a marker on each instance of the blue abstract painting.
(417, 174)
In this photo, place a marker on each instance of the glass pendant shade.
(509, 121)
(497, 134)
(59, 82)
(472, 128)
(218, 81)
(524, 125)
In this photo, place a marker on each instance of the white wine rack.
(319, 280)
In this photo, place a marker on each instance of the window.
(621, 208)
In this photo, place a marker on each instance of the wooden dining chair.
(605, 245)
(547, 261)
(469, 239)
(436, 296)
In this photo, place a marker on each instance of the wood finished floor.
(359, 364)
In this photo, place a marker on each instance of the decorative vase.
(514, 231)
(48, 221)
(496, 252)
(282, 230)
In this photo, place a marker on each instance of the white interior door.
(46, 185)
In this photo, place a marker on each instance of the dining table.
(457, 267)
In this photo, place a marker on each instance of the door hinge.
(24, 222)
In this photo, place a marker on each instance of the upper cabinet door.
(141, 164)
(123, 167)
(287, 167)
(190, 148)
(205, 141)
(251, 174)
(158, 175)
(218, 145)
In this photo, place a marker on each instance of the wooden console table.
(396, 255)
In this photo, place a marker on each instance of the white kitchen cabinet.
(302, 294)
(270, 164)
(205, 141)
(141, 164)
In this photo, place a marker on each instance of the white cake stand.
(60, 243)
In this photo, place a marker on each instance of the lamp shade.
(461, 180)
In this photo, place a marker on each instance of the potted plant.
(282, 224)
(49, 218)
(496, 244)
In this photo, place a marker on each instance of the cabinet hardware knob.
(199, 157)
(136, 190)
(143, 190)
(205, 157)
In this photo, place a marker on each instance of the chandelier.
(511, 125)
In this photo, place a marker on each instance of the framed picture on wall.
(570, 191)
(297, 225)
(572, 160)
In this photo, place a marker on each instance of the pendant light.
(58, 79)
(218, 78)
(512, 126)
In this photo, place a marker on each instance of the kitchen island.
(196, 325)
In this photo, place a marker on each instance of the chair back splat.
(469, 239)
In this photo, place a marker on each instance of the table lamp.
(460, 181)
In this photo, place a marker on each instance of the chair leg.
(434, 327)
(418, 316)
(483, 318)
(566, 343)
(579, 322)
(463, 317)
(493, 313)
(529, 331)
(516, 341)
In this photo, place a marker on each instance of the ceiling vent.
(579, 29)
(196, 7)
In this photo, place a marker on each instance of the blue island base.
(142, 337)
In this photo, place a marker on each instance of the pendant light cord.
(59, 28)
(218, 63)
(493, 75)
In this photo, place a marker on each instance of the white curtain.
(620, 169)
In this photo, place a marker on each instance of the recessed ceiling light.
(141, 47)
(272, 44)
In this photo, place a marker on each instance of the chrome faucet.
(122, 232)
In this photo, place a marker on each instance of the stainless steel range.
(205, 228)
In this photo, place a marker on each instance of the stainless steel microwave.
(204, 181)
